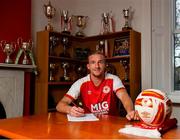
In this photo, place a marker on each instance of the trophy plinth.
(126, 13)
(81, 22)
(66, 22)
(8, 49)
(49, 12)
(65, 76)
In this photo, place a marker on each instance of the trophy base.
(126, 28)
(80, 34)
(8, 61)
(65, 79)
(49, 28)
(66, 32)
(65, 55)
(25, 62)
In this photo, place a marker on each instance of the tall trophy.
(81, 22)
(66, 43)
(8, 49)
(65, 77)
(66, 22)
(125, 64)
(126, 14)
(49, 12)
(107, 23)
(54, 41)
(53, 67)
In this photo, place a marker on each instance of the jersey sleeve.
(74, 90)
(117, 84)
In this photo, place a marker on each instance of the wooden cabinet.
(51, 85)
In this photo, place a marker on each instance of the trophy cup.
(66, 22)
(125, 64)
(66, 43)
(126, 13)
(49, 12)
(8, 48)
(27, 47)
(81, 24)
(52, 70)
(54, 41)
(65, 66)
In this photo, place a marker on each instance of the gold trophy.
(126, 13)
(81, 22)
(66, 22)
(8, 48)
(49, 12)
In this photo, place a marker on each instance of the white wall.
(93, 9)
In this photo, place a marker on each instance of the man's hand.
(76, 111)
(132, 115)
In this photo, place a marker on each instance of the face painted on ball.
(153, 107)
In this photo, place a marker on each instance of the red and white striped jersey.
(97, 99)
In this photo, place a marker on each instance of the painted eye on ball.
(147, 102)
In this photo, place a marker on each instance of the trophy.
(8, 48)
(54, 41)
(49, 12)
(65, 66)
(66, 43)
(107, 23)
(125, 64)
(81, 24)
(80, 70)
(126, 13)
(52, 70)
(66, 22)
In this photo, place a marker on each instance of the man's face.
(96, 65)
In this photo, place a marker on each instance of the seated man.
(99, 92)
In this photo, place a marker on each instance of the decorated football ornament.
(153, 107)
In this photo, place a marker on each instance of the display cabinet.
(62, 58)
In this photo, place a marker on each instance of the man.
(99, 92)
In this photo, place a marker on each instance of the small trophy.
(126, 13)
(125, 64)
(81, 24)
(66, 22)
(80, 70)
(49, 12)
(66, 43)
(8, 48)
(65, 66)
(52, 70)
(54, 41)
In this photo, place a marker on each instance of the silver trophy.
(8, 49)
(54, 41)
(66, 43)
(27, 47)
(107, 24)
(65, 66)
(66, 22)
(49, 12)
(126, 14)
(81, 22)
(53, 68)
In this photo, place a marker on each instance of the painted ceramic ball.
(153, 107)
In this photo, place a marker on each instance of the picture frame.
(121, 46)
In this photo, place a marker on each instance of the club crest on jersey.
(89, 92)
(106, 89)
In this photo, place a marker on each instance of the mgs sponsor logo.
(100, 108)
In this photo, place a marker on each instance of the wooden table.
(56, 125)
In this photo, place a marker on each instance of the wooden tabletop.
(56, 125)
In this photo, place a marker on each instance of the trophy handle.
(2, 44)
